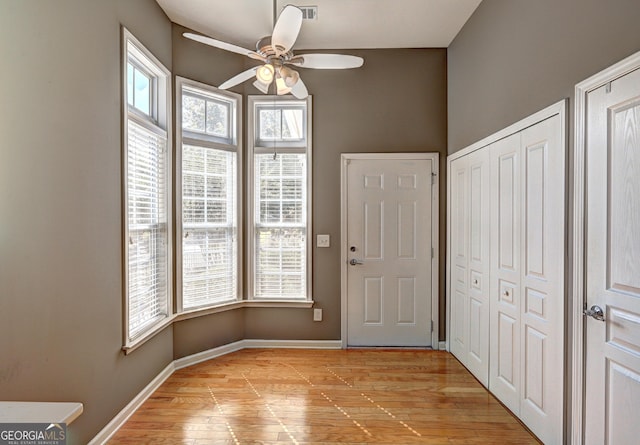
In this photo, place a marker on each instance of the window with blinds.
(281, 225)
(209, 189)
(281, 170)
(147, 201)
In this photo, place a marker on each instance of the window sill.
(132, 346)
(242, 304)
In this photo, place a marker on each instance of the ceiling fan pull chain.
(275, 108)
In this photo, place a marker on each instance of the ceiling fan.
(275, 52)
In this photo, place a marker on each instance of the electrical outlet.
(323, 241)
(317, 314)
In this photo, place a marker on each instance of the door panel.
(373, 229)
(612, 372)
(459, 247)
(542, 279)
(478, 284)
(470, 244)
(389, 214)
(504, 377)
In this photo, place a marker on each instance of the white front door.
(612, 373)
(389, 218)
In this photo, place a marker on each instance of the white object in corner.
(39, 412)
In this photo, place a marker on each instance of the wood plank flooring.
(278, 396)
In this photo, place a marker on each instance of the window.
(147, 199)
(280, 168)
(208, 121)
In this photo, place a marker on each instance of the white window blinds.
(280, 226)
(209, 226)
(147, 226)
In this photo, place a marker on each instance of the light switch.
(317, 314)
(323, 241)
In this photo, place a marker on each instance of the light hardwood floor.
(270, 396)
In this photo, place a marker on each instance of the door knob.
(355, 262)
(595, 312)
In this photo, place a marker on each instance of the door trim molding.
(345, 158)
(582, 89)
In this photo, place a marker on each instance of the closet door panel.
(460, 259)
(478, 289)
(504, 370)
(542, 279)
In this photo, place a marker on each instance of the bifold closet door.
(469, 277)
(478, 289)
(542, 280)
(527, 276)
(504, 379)
(459, 196)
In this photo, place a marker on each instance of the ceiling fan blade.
(286, 29)
(299, 90)
(328, 61)
(239, 78)
(218, 44)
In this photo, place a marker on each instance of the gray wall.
(60, 206)
(60, 194)
(371, 109)
(515, 57)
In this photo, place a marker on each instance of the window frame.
(158, 122)
(233, 143)
(257, 146)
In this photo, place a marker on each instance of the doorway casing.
(578, 297)
(345, 159)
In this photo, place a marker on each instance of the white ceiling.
(341, 24)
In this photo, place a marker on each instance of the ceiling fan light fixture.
(264, 87)
(290, 76)
(282, 86)
(265, 73)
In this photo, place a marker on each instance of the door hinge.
(607, 88)
(431, 325)
(433, 178)
(432, 252)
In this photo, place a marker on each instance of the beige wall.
(60, 205)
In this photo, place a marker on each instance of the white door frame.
(345, 159)
(621, 68)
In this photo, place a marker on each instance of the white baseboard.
(203, 356)
(442, 346)
(113, 426)
(120, 418)
(293, 344)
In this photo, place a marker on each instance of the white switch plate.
(323, 241)
(317, 314)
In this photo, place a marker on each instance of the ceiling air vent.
(309, 12)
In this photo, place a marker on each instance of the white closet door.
(459, 196)
(478, 289)
(542, 279)
(470, 269)
(504, 372)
